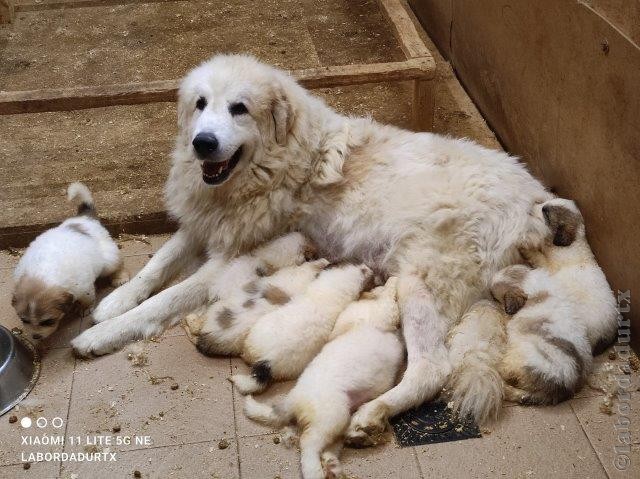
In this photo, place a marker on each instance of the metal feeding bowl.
(19, 368)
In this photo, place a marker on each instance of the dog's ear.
(564, 235)
(514, 300)
(562, 222)
(283, 116)
(331, 160)
(66, 302)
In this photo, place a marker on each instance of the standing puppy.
(358, 365)
(283, 342)
(55, 277)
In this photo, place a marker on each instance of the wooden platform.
(86, 88)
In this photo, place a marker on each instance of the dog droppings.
(612, 356)
(116, 428)
(174, 386)
(223, 444)
(26, 465)
(137, 474)
(13, 419)
(276, 440)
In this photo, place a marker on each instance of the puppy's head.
(506, 287)
(563, 220)
(288, 250)
(40, 307)
(232, 110)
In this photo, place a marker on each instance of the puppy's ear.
(563, 224)
(67, 302)
(283, 116)
(514, 300)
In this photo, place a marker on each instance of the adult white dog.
(257, 155)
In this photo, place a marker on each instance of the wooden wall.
(559, 82)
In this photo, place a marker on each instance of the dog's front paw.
(368, 424)
(95, 341)
(331, 466)
(118, 302)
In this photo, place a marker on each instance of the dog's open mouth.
(215, 172)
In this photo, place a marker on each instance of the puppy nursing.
(358, 365)
(55, 277)
(283, 342)
(561, 309)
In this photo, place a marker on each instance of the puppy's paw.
(367, 425)
(96, 341)
(331, 466)
(290, 437)
(246, 384)
(118, 302)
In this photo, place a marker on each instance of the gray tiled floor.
(198, 430)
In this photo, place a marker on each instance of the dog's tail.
(476, 349)
(79, 192)
(256, 382)
(476, 388)
(275, 416)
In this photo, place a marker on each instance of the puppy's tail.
(275, 416)
(79, 192)
(476, 387)
(256, 382)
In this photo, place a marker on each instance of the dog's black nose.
(205, 144)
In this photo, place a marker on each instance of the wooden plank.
(559, 85)
(78, 98)
(29, 6)
(398, 14)
(6, 11)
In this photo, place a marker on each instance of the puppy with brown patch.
(227, 323)
(55, 277)
(357, 365)
(561, 312)
(236, 283)
(283, 342)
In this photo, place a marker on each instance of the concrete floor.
(198, 429)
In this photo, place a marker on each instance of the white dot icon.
(25, 422)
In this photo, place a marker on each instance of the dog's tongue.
(211, 168)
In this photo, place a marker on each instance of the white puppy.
(227, 322)
(55, 277)
(355, 367)
(284, 341)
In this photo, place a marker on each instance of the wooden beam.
(56, 4)
(6, 11)
(399, 15)
(65, 99)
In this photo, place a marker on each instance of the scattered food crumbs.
(606, 406)
(276, 440)
(223, 444)
(174, 386)
(138, 356)
(116, 428)
(13, 419)
(155, 380)
(485, 431)
(129, 237)
(137, 474)
(634, 362)
(612, 355)
(26, 465)
(91, 448)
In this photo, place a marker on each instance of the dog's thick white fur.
(228, 322)
(57, 272)
(563, 310)
(283, 342)
(441, 214)
(358, 365)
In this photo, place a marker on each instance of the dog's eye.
(238, 109)
(48, 322)
(201, 103)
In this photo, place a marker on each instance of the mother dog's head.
(230, 110)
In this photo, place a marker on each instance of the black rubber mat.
(431, 423)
